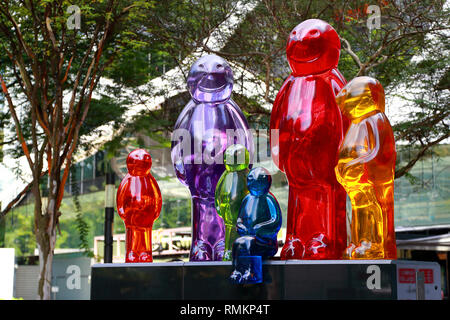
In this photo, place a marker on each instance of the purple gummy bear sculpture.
(208, 124)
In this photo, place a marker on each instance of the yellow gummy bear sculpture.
(366, 170)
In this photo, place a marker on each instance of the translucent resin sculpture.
(258, 224)
(209, 123)
(231, 190)
(139, 205)
(366, 169)
(311, 128)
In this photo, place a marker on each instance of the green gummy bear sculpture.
(231, 190)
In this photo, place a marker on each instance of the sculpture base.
(282, 280)
(248, 270)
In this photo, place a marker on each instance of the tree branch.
(402, 171)
(16, 123)
(352, 54)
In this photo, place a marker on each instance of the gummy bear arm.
(339, 81)
(157, 196)
(178, 164)
(265, 224)
(274, 223)
(218, 193)
(277, 105)
(275, 117)
(217, 204)
(121, 194)
(183, 118)
(338, 173)
(240, 227)
(181, 141)
(373, 145)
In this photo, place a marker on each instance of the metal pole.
(420, 285)
(109, 216)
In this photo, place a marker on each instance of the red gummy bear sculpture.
(139, 204)
(311, 128)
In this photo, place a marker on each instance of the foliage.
(81, 225)
(46, 59)
(19, 231)
(388, 52)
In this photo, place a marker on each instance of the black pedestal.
(283, 280)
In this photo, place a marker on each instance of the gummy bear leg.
(243, 246)
(219, 250)
(230, 236)
(368, 250)
(318, 248)
(208, 228)
(310, 213)
(250, 267)
(367, 224)
(201, 251)
(236, 277)
(145, 257)
(348, 251)
(227, 256)
(138, 242)
(292, 249)
(131, 257)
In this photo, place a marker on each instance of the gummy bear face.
(139, 162)
(210, 80)
(236, 158)
(313, 47)
(361, 97)
(259, 181)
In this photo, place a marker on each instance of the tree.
(387, 50)
(384, 46)
(51, 56)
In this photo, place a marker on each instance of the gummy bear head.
(313, 47)
(361, 97)
(259, 181)
(139, 162)
(236, 158)
(210, 80)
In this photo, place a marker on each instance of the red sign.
(406, 275)
(427, 275)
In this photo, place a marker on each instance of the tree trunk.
(46, 244)
(45, 239)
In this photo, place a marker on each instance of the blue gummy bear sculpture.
(258, 224)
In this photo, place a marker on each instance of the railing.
(166, 244)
